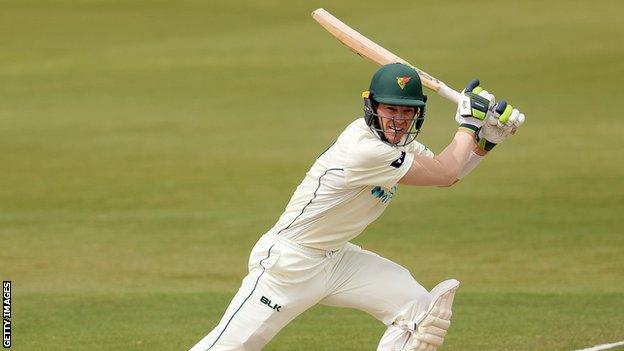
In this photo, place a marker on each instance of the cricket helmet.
(395, 84)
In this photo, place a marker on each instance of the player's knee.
(406, 296)
(414, 303)
(412, 297)
(254, 342)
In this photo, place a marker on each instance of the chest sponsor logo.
(385, 195)
(399, 161)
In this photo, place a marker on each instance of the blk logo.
(266, 301)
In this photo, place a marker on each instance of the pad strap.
(406, 325)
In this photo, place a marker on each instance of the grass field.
(146, 145)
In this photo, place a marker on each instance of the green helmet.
(395, 84)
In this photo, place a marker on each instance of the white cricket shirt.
(346, 189)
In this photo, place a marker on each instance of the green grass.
(147, 321)
(146, 145)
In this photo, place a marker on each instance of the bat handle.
(448, 93)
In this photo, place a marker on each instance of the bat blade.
(367, 48)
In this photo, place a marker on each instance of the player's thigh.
(253, 317)
(366, 281)
(264, 304)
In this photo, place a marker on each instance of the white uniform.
(306, 258)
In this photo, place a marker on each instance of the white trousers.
(285, 279)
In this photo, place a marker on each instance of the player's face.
(395, 120)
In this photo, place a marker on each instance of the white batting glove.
(474, 106)
(499, 126)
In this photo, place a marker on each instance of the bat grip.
(448, 93)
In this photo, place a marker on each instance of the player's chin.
(394, 138)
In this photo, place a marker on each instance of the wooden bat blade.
(355, 41)
(365, 47)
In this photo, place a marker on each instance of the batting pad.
(432, 325)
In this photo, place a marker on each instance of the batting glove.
(475, 104)
(499, 126)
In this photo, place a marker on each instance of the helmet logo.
(402, 81)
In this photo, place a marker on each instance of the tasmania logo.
(402, 81)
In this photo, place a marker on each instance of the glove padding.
(474, 106)
(499, 126)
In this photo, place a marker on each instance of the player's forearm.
(445, 168)
(454, 158)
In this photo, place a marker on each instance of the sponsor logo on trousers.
(266, 301)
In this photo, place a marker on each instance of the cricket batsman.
(307, 259)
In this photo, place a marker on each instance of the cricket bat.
(366, 48)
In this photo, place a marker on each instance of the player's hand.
(498, 126)
(475, 104)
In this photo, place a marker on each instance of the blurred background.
(146, 145)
